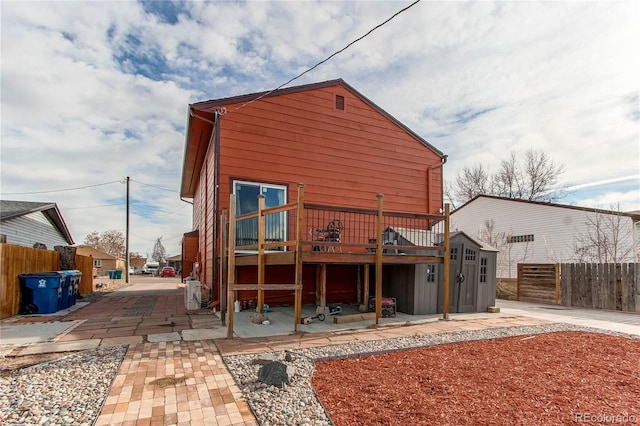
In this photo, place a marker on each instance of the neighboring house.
(33, 224)
(327, 135)
(539, 232)
(175, 262)
(102, 262)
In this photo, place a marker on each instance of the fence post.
(558, 288)
(518, 279)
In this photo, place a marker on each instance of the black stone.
(275, 374)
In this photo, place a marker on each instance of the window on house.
(97, 263)
(483, 269)
(519, 238)
(247, 202)
(340, 102)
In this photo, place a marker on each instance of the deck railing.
(340, 229)
(304, 227)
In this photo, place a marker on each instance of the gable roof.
(204, 111)
(13, 209)
(86, 250)
(635, 216)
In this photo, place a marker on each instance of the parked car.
(150, 268)
(168, 271)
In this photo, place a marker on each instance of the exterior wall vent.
(340, 102)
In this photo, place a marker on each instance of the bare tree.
(159, 253)
(111, 241)
(541, 174)
(530, 177)
(608, 239)
(471, 181)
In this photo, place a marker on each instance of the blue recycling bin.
(112, 274)
(65, 289)
(72, 284)
(42, 290)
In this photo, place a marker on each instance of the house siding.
(556, 230)
(30, 229)
(344, 158)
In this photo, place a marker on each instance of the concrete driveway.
(623, 322)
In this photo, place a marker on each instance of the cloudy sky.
(93, 92)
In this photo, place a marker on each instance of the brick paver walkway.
(181, 383)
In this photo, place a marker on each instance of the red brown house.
(343, 148)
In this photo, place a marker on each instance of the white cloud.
(95, 91)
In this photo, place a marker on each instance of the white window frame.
(97, 263)
(263, 186)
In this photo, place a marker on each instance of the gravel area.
(72, 390)
(67, 391)
(297, 404)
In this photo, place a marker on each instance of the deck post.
(298, 282)
(379, 260)
(261, 231)
(364, 307)
(323, 289)
(446, 263)
(223, 265)
(231, 269)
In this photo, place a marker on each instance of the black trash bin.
(41, 292)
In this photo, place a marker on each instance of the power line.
(329, 57)
(60, 190)
(155, 186)
(94, 207)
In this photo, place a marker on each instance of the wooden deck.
(280, 236)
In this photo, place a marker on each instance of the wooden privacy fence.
(611, 286)
(538, 283)
(16, 260)
(607, 286)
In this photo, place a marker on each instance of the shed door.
(468, 287)
(463, 279)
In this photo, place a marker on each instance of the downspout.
(444, 161)
(216, 204)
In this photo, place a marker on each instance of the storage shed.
(418, 289)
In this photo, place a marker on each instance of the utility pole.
(126, 261)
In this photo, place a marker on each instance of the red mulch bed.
(546, 379)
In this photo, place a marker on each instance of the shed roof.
(197, 141)
(12, 209)
(422, 237)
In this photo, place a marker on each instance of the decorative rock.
(288, 356)
(276, 374)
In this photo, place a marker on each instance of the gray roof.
(12, 209)
(425, 238)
